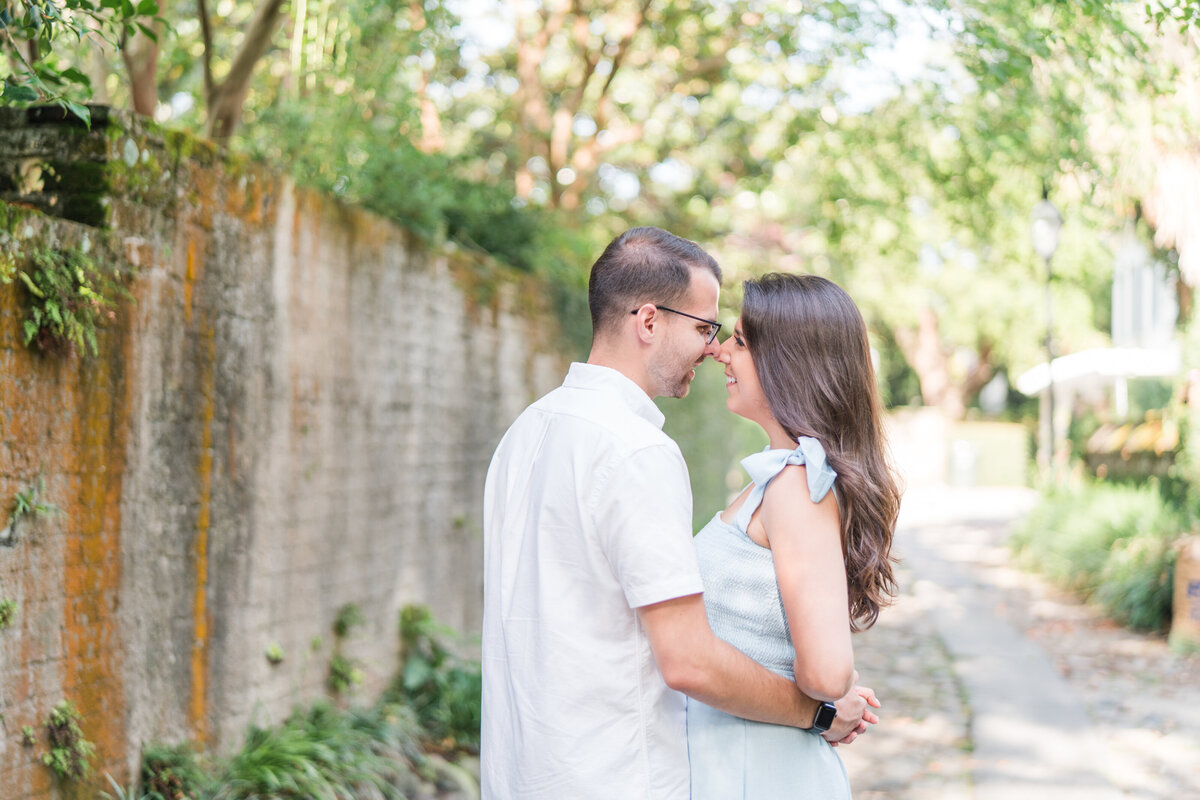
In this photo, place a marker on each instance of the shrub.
(1109, 543)
(443, 689)
(325, 754)
(1137, 582)
(171, 773)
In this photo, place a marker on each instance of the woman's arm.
(805, 541)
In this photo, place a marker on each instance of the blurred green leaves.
(32, 34)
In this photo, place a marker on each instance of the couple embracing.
(621, 657)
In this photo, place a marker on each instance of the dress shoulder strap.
(763, 467)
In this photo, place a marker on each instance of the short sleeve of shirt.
(644, 526)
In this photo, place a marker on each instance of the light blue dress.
(731, 757)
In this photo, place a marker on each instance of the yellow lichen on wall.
(91, 628)
(200, 612)
(64, 426)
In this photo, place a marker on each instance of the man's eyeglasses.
(713, 327)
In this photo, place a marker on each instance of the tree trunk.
(140, 54)
(923, 350)
(225, 99)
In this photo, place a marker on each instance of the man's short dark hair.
(642, 265)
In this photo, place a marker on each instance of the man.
(593, 615)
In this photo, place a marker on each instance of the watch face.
(826, 714)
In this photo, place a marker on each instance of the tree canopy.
(895, 146)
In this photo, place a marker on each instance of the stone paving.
(1139, 698)
(921, 749)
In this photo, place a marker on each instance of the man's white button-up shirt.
(587, 516)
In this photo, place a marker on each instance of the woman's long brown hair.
(810, 348)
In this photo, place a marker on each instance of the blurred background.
(1009, 189)
(898, 148)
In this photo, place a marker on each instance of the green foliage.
(32, 32)
(8, 612)
(1183, 14)
(344, 674)
(429, 194)
(348, 617)
(1137, 582)
(127, 793)
(274, 653)
(69, 752)
(1110, 543)
(28, 736)
(443, 689)
(356, 131)
(69, 297)
(171, 773)
(324, 754)
(27, 503)
(319, 753)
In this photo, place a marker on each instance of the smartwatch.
(823, 720)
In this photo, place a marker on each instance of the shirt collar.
(607, 379)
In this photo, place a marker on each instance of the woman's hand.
(853, 715)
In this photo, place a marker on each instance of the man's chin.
(685, 385)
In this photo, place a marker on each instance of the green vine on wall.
(69, 751)
(344, 672)
(69, 297)
(8, 612)
(26, 503)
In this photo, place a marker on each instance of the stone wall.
(295, 413)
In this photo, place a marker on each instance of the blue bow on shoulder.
(764, 466)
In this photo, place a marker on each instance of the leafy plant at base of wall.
(171, 773)
(443, 689)
(325, 753)
(69, 751)
(123, 793)
(28, 737)
(70, 296)
(317, 752)
(8, 611)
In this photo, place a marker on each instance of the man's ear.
(646, 322)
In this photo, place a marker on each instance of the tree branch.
(981, 373)
(225, 102)
(140, 54)
(590, 60)
(623, 48)
(262, 27)
(206, 36)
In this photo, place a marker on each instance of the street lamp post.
(1046, 223)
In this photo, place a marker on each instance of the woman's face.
(745, 394)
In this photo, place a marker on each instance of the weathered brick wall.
(295, 414)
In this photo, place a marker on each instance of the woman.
(790, 568)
